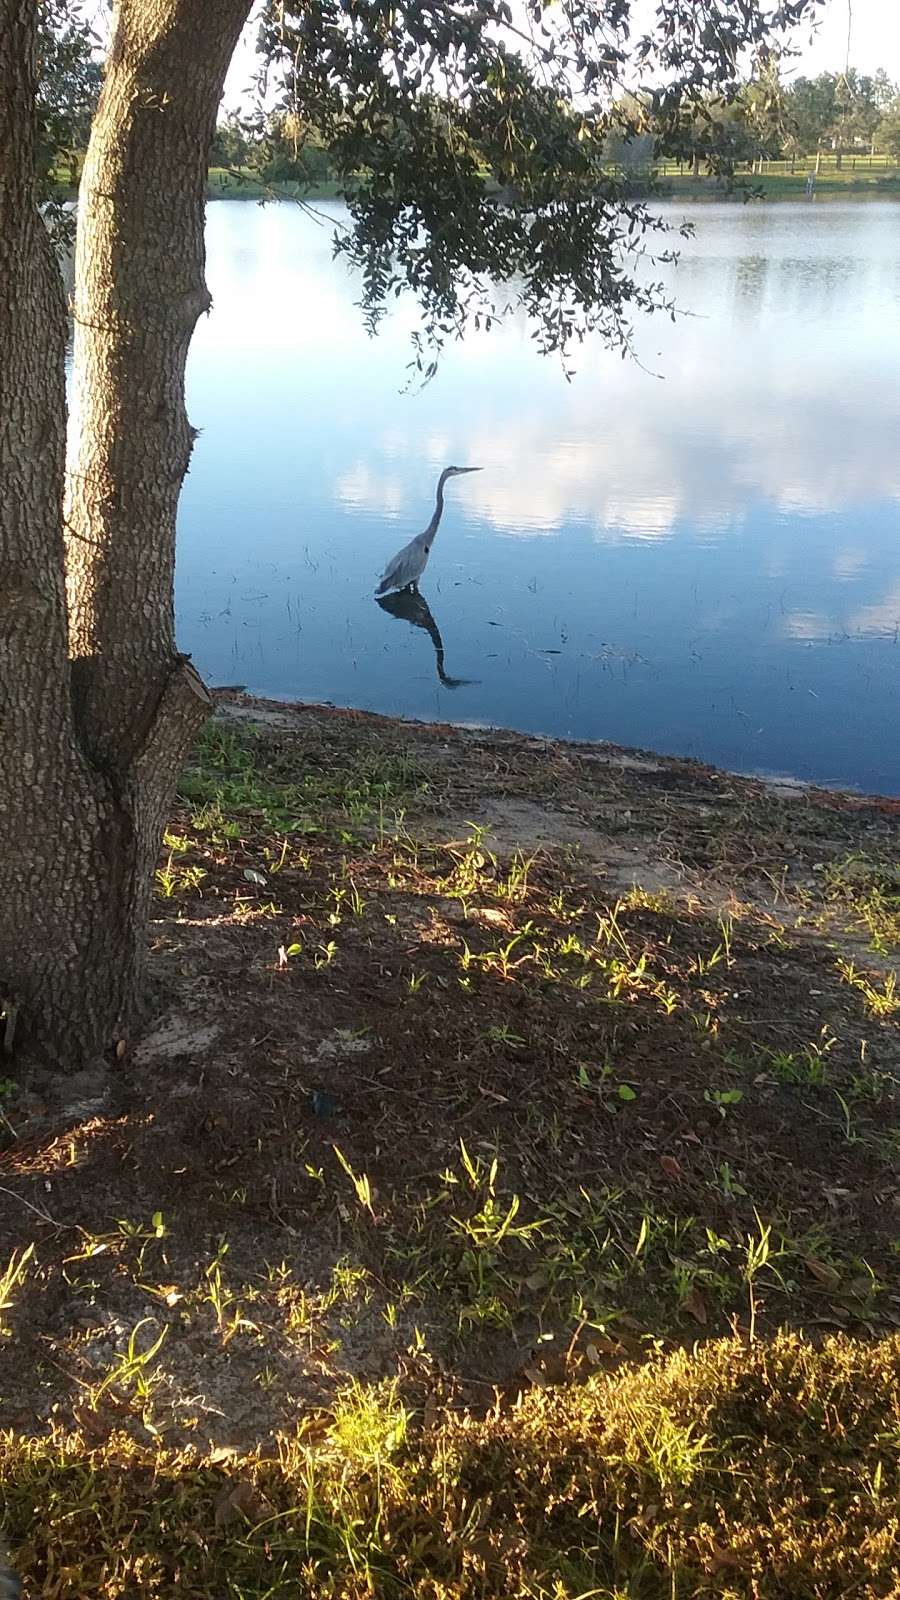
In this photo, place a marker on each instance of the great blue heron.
(414, 608)
(409, 563)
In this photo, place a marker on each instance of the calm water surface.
(701, 557)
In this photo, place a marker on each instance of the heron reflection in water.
(414, 608)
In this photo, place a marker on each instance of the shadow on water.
(413, 608)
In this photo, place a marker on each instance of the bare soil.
(476, 1060)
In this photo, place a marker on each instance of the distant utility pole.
(845, 89)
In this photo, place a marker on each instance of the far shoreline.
(224, 185)
(781, 187)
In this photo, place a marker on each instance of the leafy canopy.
(69, 79)
(471, 138)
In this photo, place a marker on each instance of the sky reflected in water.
(698, 555)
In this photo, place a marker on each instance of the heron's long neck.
(438, 507)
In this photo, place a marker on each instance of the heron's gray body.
(407, 566)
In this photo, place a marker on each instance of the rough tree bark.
(96, 706)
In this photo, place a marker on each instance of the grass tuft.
(765, 1471)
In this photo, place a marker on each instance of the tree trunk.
(54, 890)
(90, 748)
(139, 289)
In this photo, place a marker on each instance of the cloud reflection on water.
(720, 528)
(750, 407)
(694, 451)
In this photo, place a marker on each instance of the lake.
(697, 555)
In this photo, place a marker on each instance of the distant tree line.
(841, 114)
(770, 118)
(281, 148)
(845, 113)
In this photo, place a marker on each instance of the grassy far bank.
(880, 182)
(489, 1077)
(846, 185)
(228, 184)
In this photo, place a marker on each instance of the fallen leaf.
(823, 1271)
(536, 1375)
(252, 876)
(723, 1560)
(695, 1304)
(241, 1500)
(670, 1166)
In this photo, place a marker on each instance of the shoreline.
(698, 191)
(238, 702)
(830, 186)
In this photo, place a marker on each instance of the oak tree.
(470, 140)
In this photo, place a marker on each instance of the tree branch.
(182, 709)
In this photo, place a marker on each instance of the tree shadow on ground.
(414, 1111)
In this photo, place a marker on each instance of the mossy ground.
(502, 1202)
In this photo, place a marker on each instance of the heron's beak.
(470, 469)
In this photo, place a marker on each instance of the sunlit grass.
(881, 996)
(670, 1479)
